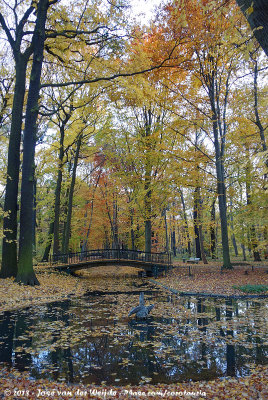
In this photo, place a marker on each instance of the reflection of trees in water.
(61, 359)
(196, 343)
(104, 353)
(67, 351)
(259, 350)
(143, 330)
(23, 360)
(230, 348)
(7, 328)
(12, 327)
(255, 332)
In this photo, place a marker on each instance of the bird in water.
(141, 310)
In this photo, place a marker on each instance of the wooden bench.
(193, 260)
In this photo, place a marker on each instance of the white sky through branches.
(143, 9)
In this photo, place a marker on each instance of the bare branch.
(111, 77)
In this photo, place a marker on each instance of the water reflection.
(90, 340)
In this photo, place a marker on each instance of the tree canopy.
(140, 137)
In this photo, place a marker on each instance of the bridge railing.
(111, 254)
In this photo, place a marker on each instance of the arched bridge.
(151, 263)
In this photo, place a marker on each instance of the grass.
(252, 288)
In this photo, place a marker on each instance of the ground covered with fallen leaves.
(55, 286)
(58, 286)
(15, 385)
(52, 287)
(211, 280)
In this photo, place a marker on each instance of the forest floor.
(208, 279)
(52, 287)
(55, 286)
(18, 385)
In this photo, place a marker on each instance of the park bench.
(193, 260)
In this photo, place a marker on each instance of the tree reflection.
(230, 348)
(81, 341)
(7, 328)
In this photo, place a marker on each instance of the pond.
(91, 339)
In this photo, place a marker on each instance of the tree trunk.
(222, 205)
(202, 250)
(9, 250)
(85, 241)
(71, 195)
(49, 242)
(26, 273)
(147, 183)
(196, 223)
(221, 190)
(234, 243)
(253, 242)
(34, 217)
(56, 242)
(173, 236)
(115, 244)
(166, 231)
(105, 197)
(265, 236)
(132, 233)
(244, 252)
(186, 223)
(213, 231)
(232, 229)
(148, 226)
(257, 116)
(256, 12)
(64, 214)
(256, 111)
(106, 242)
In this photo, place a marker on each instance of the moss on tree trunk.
(26, 273)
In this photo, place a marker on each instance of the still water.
(91, 339)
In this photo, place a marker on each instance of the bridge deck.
(149, 262)
(147, 266)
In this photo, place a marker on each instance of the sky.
(144, 8)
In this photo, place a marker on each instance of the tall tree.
(100, 36)
(67, 231)
(21, 53)
(253, 241)
(26, 273)
(213, 64)
(63, 119)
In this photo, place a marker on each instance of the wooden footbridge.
(152, 263)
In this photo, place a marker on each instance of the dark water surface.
(91, 340)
